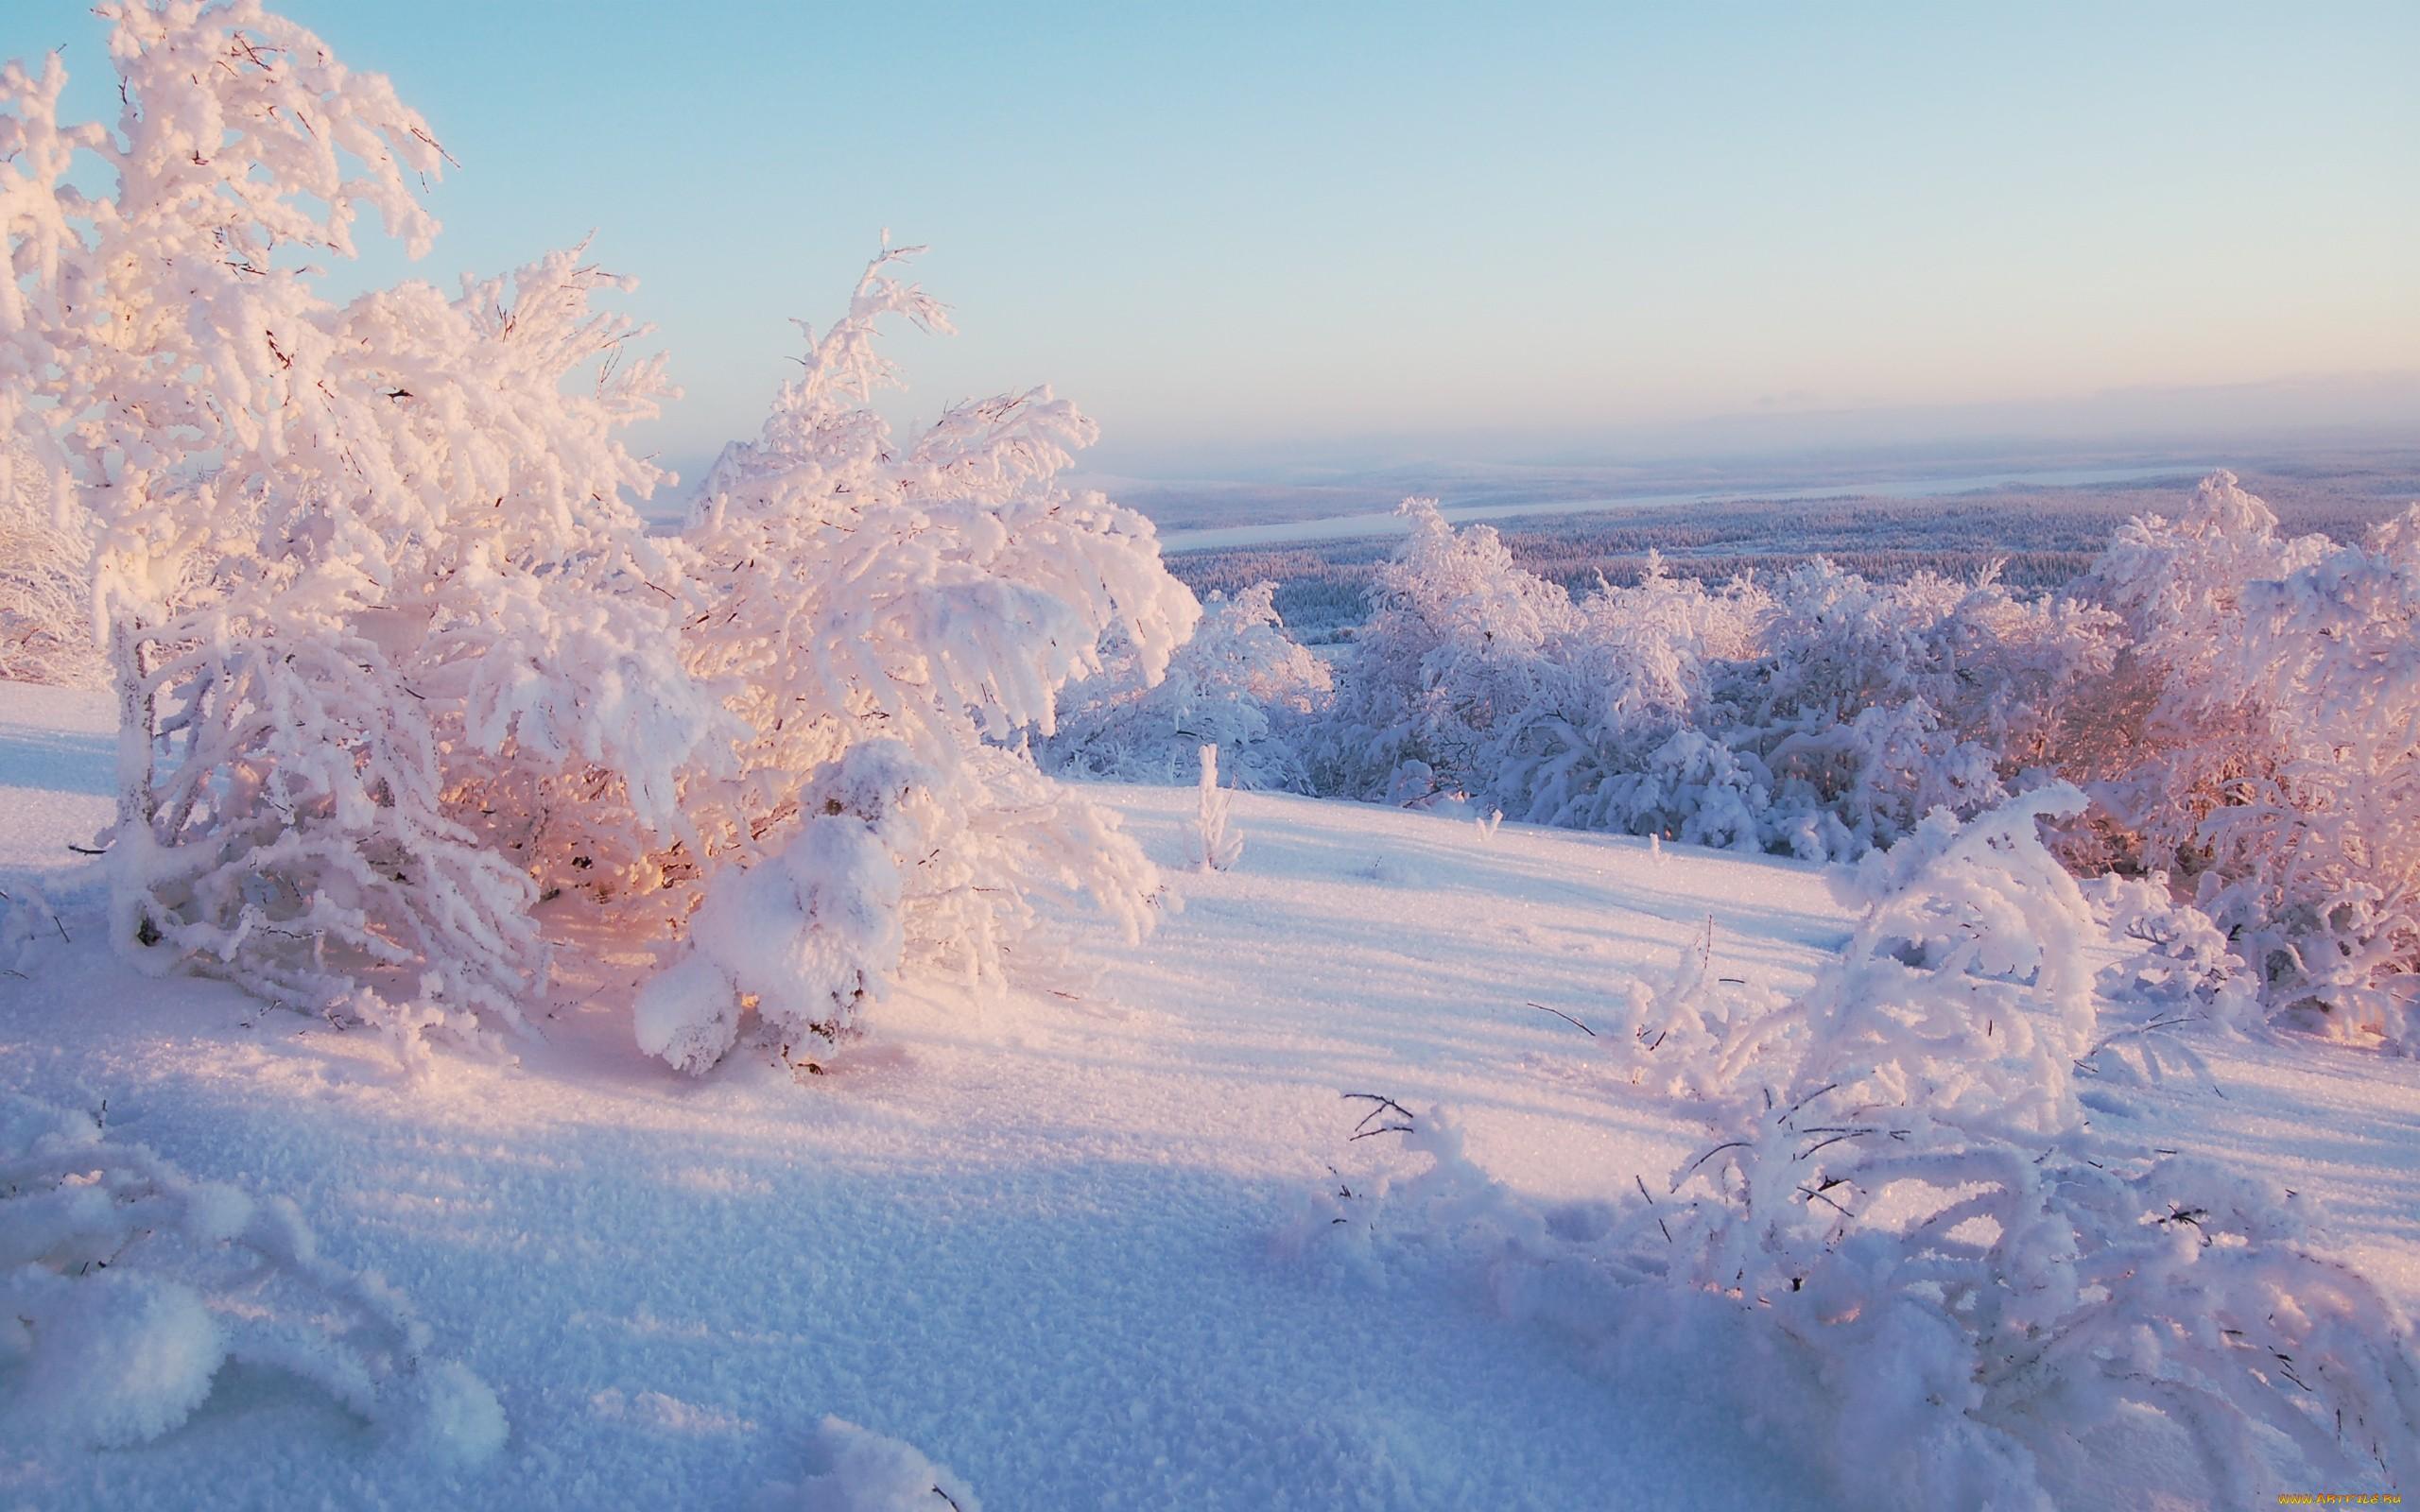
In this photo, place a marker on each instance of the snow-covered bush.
(1913, 1253)
(885, 618)
(1671, 1024)
(46, 578)
(2183, 964)
(1821, 715)
(1868, 705)
(2273, 762)
(125, 1286)
(1240, 685)
(2243, 709)
(1450, 652)
(424, 678)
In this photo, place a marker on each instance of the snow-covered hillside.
(1064, 1245)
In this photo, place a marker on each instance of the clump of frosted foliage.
(1910, 1251)
(1240, 685)
(2267, 747)
(2179, 962)
(887, 616)
(1669, 1024)
(373, 603)
(1819, 714)
(125, 1287)
(46, 578)
(1866, 706)
(857, 1470)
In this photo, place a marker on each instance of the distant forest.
(2045, 538)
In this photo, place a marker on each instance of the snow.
(863, 1471)
(56, 746)
(1044, 1240)
(124, 1359)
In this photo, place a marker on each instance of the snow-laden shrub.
(1866, 706)
(1449, 652)
(2276, 766)
(125, 1286)
(1820, 715)
(46, 578)
(2243, 709)
(1240, 685)
(857, 1470)
(1914, 1254)
(885, 618)
(1610, 739)
(2181, 964)
(423, 678)
(1671, 1024)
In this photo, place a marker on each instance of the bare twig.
(1379, 1107)
(1727, 1144)
(1828, 1087)
(1651, 1203)
(1564, 1017)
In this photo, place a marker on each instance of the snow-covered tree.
(885, 618)
(1241, 684)
(422, 674)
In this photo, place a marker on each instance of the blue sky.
(1228, 231)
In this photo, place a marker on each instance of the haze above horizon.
(1241, 236)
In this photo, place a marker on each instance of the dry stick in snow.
(1651, 1203)
(1564, 1017)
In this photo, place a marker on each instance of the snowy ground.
(1038, 1241)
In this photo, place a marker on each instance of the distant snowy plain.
(1386, 522)
(1040, 1240)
